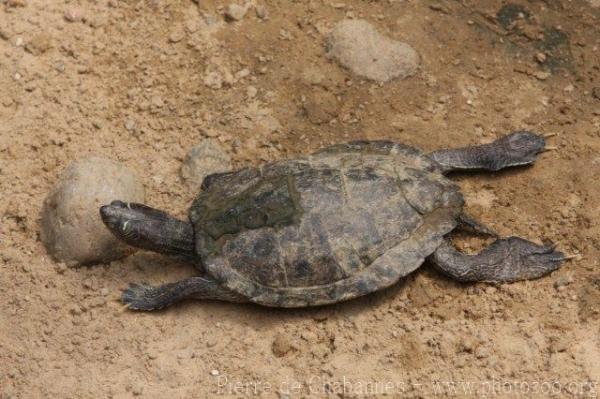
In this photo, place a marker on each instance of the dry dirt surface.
(142, 82)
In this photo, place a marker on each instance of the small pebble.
(321, 107)
(204, 159)
(61, 267)
(137, 388)
(73, 15)
(191, 25)
(72, 229)
(467, 345)
(261, 12)
(75, 309)
(129, 124)
(312, 76)
(89, 283)
(562, 281)
(251, 91)
(4, 35)
(490, 290)
(482, 352)
(157, 101)
(242, 73)
(235, 12)
(177, 35)
(214, 80)
(214, 372)
(540, 57)
(39, 44)
(542, 75)
(282, 345)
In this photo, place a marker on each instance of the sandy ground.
(143, 81)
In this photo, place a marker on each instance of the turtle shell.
(346, 221)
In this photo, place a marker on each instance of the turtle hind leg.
(505, 260)
(146, 297)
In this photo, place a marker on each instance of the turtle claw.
(525, 260)
(549, 260)
(515, 259)
(141, 297)
(504, 261)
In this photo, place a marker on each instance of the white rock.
(71, 226)
(261, 12)
(235, 12)
(251, 91)
(129, 124)
(177, 35)
(214, 80)
(356, 45)
(73, 14)
(204, 159)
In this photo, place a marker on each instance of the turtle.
(343, 222)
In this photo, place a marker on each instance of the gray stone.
(204, 159)
(357, 46)
(71, 226)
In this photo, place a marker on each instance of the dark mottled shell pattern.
(346, 221)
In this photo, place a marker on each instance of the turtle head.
(148, 228)
(522, 147)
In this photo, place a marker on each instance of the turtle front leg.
(146, 297)
(144, 227)
(518, 148)
(505, 260)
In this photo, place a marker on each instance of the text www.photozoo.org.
(459, 388)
